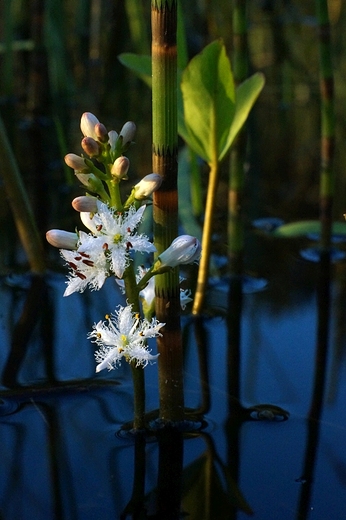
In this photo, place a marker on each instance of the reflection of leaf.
(305, 227)
(205, 497)
(140, 64)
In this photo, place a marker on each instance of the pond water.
(261, 450)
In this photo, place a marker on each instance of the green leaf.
(305, 227)
(246, 95)
(209, 101)
(140, 64)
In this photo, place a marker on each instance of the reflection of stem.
(36, 310)
(171, 450)
(20, 206)
(203, 270)
(135, 507)
(323, 300)
(202, 343)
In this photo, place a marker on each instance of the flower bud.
(84, 204)
(76, 162)
(112, 139)
(149, 184)
(87, 124)
(90, 181)
(120, 167)
(184, 249)
(127, 133)
(62, 239)
(101, 132)
(90, 146)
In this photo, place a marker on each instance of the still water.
(62, 453)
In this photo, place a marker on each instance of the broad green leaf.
(246, 95)
(209, 101)
(140, 64)
(305, 227)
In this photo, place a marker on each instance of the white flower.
(116, 234)
(124, 335)
(184, 249)
(88, 265)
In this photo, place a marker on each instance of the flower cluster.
(106, 248)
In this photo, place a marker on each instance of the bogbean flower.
(89, 265)
(124, 335)
(92, 257)
(116, 236)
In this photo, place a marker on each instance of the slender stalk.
(20, 206)
(165, 203)
(327, 122)
(238, 152)
(203, 270)
(137, 372)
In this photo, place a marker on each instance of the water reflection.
(61, 457)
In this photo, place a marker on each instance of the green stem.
(20, 206)
(165, 203)
(137, 372)
(114, 192)
(327, 122)
(238, 152)
(203, 270)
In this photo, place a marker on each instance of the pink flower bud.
(147, 186)
(62, 239)
(120, 167)
(76, 162)
(101, 132)
(127, 133)
(184, 249)
(87, 124)
(91, 147)
(86, 204)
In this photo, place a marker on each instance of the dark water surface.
(63, 457)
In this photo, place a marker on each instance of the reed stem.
(165, 203)
(327, 179)
(20, 205)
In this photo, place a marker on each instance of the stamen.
(99, 227)
(84, 254)
(90, 263)
(71, 264)
(105, 246)
(80, 275)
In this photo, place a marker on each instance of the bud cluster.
(102, 165)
